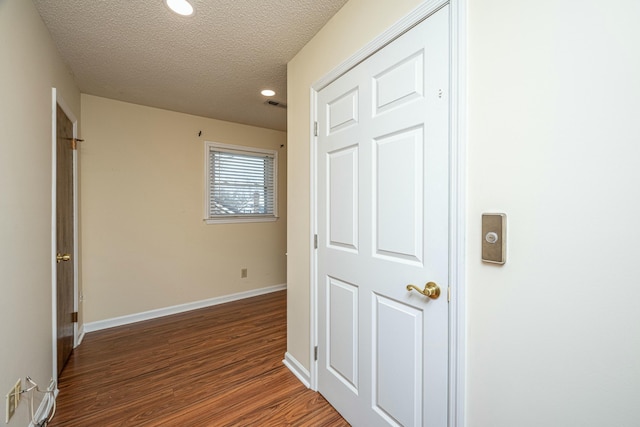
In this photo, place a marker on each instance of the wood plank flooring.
(218, 366)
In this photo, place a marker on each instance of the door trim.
(56, 99)
(457, 192)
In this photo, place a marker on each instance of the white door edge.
(57, 99)
(457, 201)
(457, 219)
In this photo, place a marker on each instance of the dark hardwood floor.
(218, 366)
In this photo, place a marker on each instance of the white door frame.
(457, 191)
(56, 99)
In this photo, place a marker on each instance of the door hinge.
(74, 142)
(315, 353)
(315, 128)
(315, 241)
(74, 317)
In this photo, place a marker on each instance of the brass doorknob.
(430, 290)
(61, 257)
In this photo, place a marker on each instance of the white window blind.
(241, 184)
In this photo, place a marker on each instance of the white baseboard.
(167, 311)
(298, 370)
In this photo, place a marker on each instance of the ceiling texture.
(211, 64)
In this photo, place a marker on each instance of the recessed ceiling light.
(181, 7)
(268, 92)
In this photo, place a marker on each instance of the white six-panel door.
(383, 197)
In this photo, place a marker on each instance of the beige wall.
(144, 243)
(553, 105)
(29, 67)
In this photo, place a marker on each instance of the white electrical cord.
(49, 400)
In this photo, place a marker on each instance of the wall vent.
(276, 104)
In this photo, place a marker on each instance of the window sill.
(236, 219)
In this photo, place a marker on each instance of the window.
(241, 184)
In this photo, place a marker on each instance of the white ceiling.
(212, 64)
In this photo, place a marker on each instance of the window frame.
(210, 146)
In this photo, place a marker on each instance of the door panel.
(398, 195)
(343, 198)
(64, 237)
(399, 84)
(343, 332)
(383, 209)
(343, 111)
(398, 395)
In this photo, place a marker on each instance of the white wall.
(553, 141)
(29, 67)
(144, 243)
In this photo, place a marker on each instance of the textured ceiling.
(212, 64)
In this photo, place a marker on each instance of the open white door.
(383, 223)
